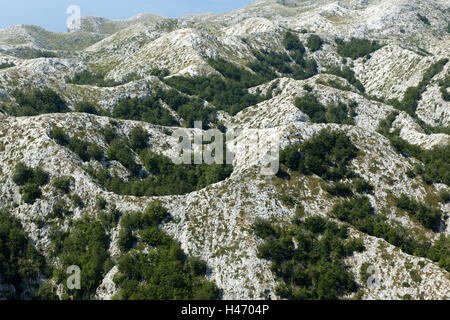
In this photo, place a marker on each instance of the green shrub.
(109, 133)
(138, 138)
(60, 210)
(339, 190)
(101, 203)
(63, 183)
(95, 152)
(77, 201)
(362, 186)
(385, 125)
(86, 107)
(413, 95)
(86, 151)
(58, 134)
(318, 113)
(29, 180)
(444, 85)
(147, 110)
(363, 274)
(314, 43)
(436, 166)
(292, 42)
(79, 147)
(429, 218)
(165, 177)
(30, 192)
(444, 195)
(226, 94)
(22, 174)
(415, 276)
(119, 151)
(310, 105)
(263, 228)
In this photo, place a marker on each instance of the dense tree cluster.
(428, 217)
(20, 263)
(37, 102)
(30, 180)
(314, 43)
(347, 74)
(163, 272)
(327, 155)
(87, 107)
(148, 110)
(6, 65)
(63, 183)
(359, 213)
(356, 48)
(151, 110)
(86, 151)
(86, 246)
(307, 257)
(165, 178)
(318, 113)
(160, 177)
(228, 93)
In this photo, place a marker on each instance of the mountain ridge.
(236, 70)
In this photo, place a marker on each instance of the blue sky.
(51, 14)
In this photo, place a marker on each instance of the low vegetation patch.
(327, 155)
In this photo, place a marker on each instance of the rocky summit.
(353, 93)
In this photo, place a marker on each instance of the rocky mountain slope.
(139, 57)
